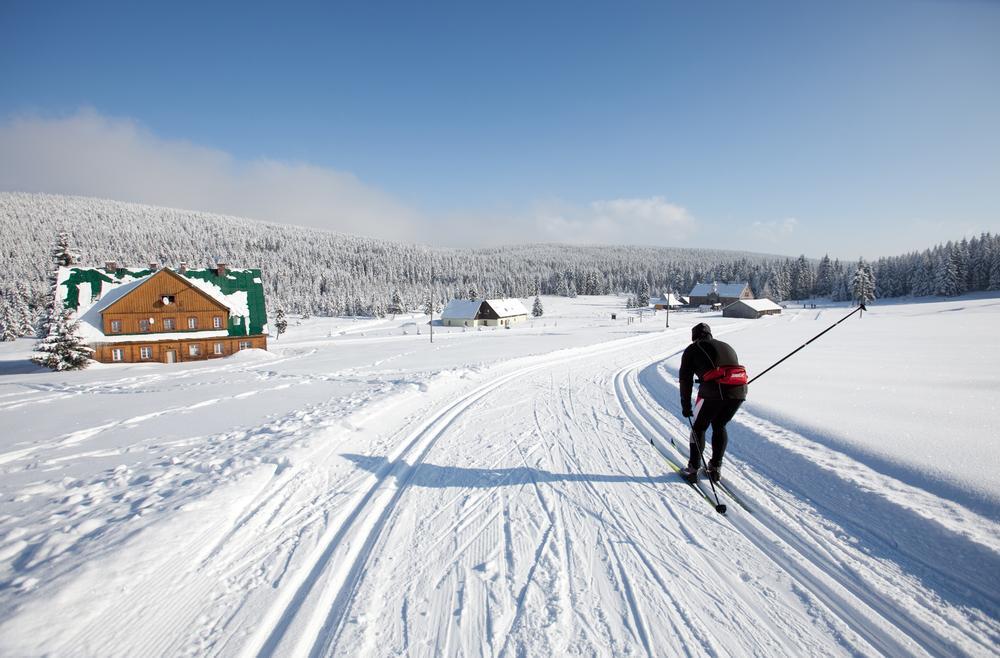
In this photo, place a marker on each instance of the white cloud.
(775, 230)
(652, 220)
(93, 155)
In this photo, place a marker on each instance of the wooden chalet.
(165, 315)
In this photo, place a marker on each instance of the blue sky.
(855, 128)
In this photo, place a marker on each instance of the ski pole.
(860, 307)
(719, 507)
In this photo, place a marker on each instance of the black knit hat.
(701, 330)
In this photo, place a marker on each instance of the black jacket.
(700, 357)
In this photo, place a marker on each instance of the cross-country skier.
(723, 388)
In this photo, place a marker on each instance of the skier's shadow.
(434, 476)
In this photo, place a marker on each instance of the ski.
(677, 470)
(724, 488)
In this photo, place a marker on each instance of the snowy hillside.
(359, 490)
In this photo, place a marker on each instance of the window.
(167, 300)
(217, 322)
(116, 354)
(217, 348)
(245, 344)
(144, 325)
(192, 323)
(116, 326)
(194, 349)
(145, 353)
(169, 324)
(236, 320)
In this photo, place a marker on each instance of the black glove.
(686, 412)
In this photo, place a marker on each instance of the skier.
(723, 388)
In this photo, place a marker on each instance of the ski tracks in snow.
(874, 595)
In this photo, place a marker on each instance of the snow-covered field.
(359, 490)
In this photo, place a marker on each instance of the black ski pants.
(715, 413)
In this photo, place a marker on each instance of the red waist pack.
(728, 375)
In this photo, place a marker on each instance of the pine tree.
(61, 255)
(642, 295)
(22, 311)
(280, 322)
(396, 304)
(536, 308)
(863, 284)
(823, 286)
(994, 282)
(473, 294)
(8, 320)
(946, 281)
(63, 348)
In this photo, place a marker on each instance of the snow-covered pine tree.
(63, 348)
(995, 270)
(22, 311)
(863, 284)
(396, 303)
(8, 320)
(62, 254)
(536, 308)
(824, 278)
(473, 294)
(946, 280)
(642, 295)
(280, 322)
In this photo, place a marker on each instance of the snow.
(507, 308)
(461, 309)
(722, 289)
(759, 304)
(358, 490)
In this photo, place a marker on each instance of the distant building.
(751, 308)
(132, 315)
(669, 300)
(483, 313)
(707, 294)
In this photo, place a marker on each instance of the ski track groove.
(801, 562)
(327, 617)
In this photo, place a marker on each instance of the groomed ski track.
(530, 511)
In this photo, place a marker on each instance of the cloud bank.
(91, 154)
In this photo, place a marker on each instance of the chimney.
(110, 267)
(154, 266)
(183, 267)
(221, 268)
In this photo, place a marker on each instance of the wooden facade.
(167, 319)
(164, 296)
(176, 351)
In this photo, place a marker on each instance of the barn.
(751, 309)
(483, 313)
(706, 294)
(158, 314)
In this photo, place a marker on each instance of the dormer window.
(167, 300)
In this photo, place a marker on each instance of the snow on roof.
(87, 291)
(671, 299)
(722, 289)
(759, 304)
(506, 308)
(461, 309)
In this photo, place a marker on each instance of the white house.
(483, 313)
(751, 308)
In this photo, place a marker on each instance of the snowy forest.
(309, 271)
